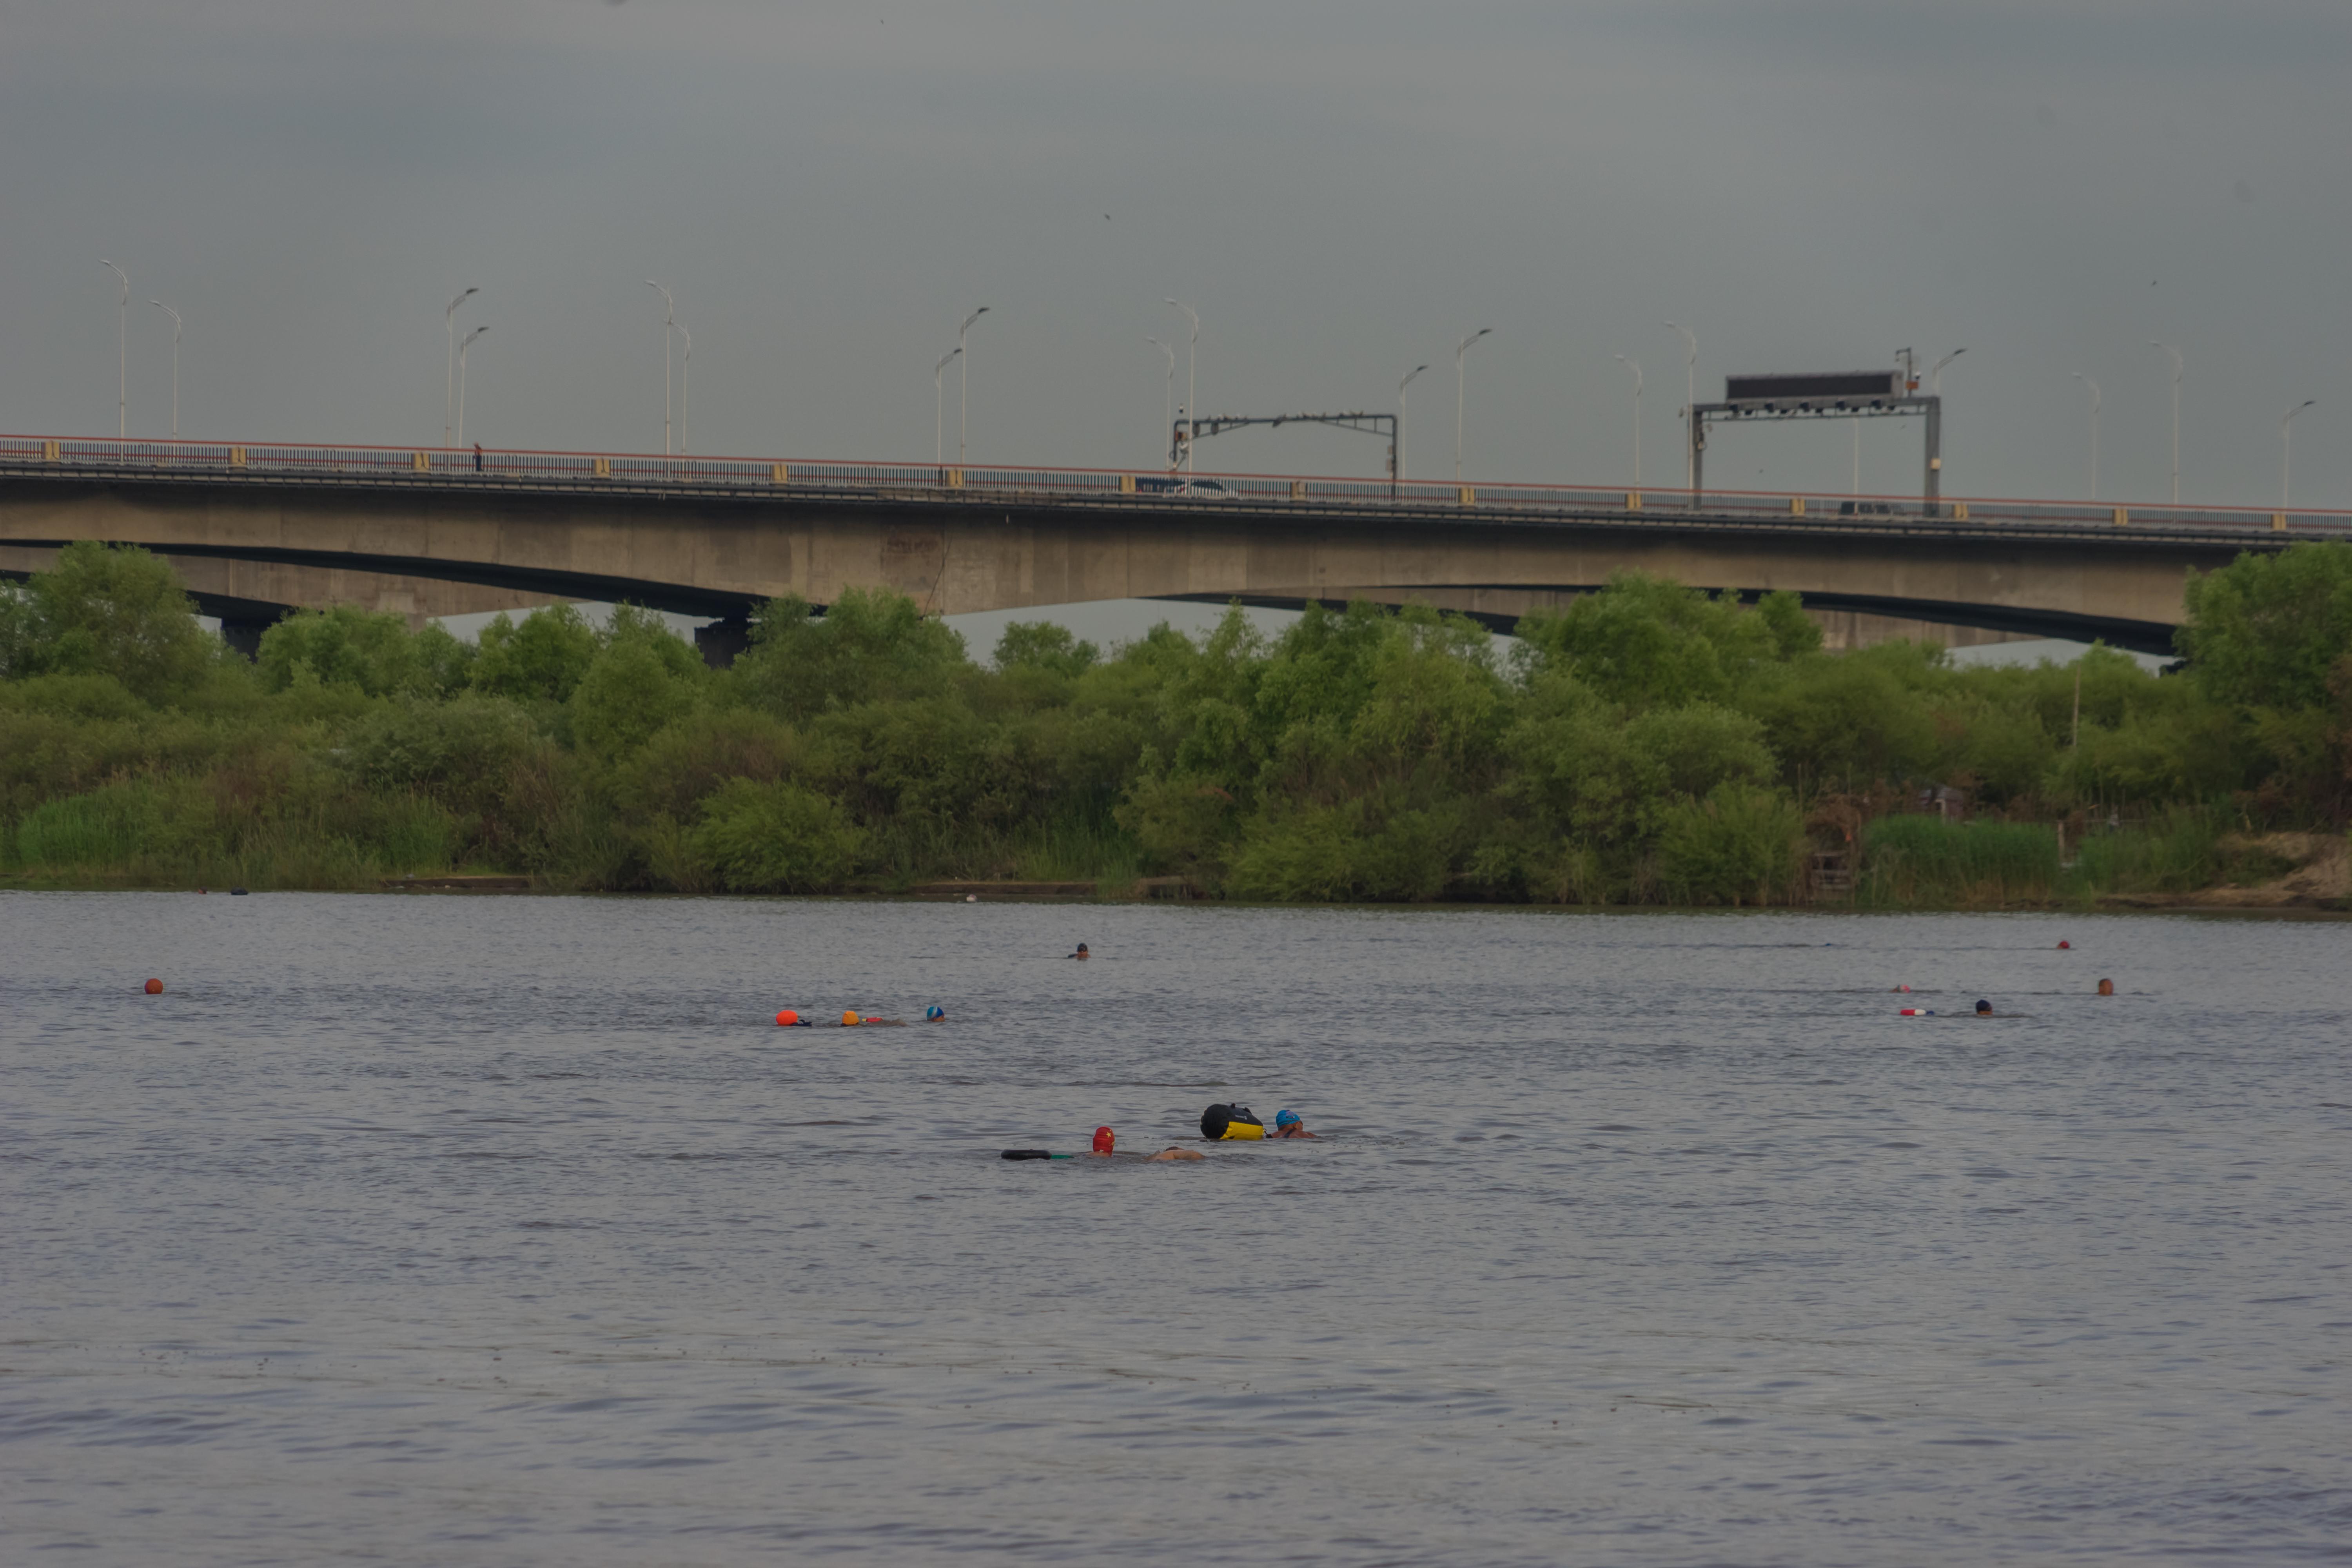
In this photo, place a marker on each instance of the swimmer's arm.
(1174, 1153)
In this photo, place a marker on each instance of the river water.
(476, 1230)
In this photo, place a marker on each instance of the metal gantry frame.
(1931, 408)
(1186, 432)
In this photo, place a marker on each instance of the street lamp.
(669, 320)
(1935, 376)
(121, 352)
(1635, 365)
(1690, 403)
(2093, 385)
(1192, 363)
(1402, 382)
(449, 362)
(684, 383)
(964, 383)
(1167, 390)
(477, 332)
(2175, 352)
(175, 364)
(938, 396)
(1459, 350)
(2286, 445)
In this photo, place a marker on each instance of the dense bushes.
(1649, 743)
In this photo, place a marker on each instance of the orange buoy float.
(154, 988)
(787, 1019)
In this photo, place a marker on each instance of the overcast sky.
(1341, 189)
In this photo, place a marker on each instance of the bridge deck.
(712, 535)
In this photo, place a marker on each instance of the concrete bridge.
(437, 532)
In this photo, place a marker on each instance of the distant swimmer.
(1984, 1009)
(1080, 954)
(854, 1019)
(1286, 1124)
(1107, 1145)
(2107, 987)
(935, 1014)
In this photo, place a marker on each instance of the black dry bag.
(1223, 1122)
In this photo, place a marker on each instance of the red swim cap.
(1104, 1139)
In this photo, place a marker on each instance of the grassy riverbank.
(1649, 745)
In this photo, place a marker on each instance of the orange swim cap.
(849, 1020)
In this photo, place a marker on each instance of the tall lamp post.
(477, 332)
(684, 383)
(1402, 382)
(1936, 375)
(1635, 366)
(669, 321)
(449, 365)
(1690, 401)
(121, 352)
(1460, 348)
(938, 404)
(964, 383)
(1191, 363)
(2093, 385)
(2286, 446)
(2175, 352)
(1167, 389)
(175, 364)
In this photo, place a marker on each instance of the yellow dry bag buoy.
(1220, 1122)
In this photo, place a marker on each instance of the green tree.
(99, 610)
(1740, 845)
(777, 839)
(2265, 630)
(1042, 645)
(1650, 642)
(377, 653)
(457, 753)
(542, 659)
(628, 694)
(865, 647)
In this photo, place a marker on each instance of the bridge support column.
(722, 640)
(244, 635)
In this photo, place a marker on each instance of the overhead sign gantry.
(1187, 433)
(1831, 395)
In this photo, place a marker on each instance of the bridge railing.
(948, 482)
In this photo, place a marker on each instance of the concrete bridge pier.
(722, 641)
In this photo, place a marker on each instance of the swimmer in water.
(1107, 1143)
(1984, 1009)
(2107, 987)
(1080, 954)
(1286, 1124)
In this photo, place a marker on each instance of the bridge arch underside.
(716, 557)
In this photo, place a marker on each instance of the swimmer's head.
(934, 1013)
(1285, 1118)
(1081, 947)
(849, 1020)
(2107, 987)
(1104, 1140)
(1984, 1006)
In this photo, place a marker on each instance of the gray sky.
(1341, 190)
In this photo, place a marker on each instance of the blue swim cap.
(1285, 1118)
(934, 1011)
